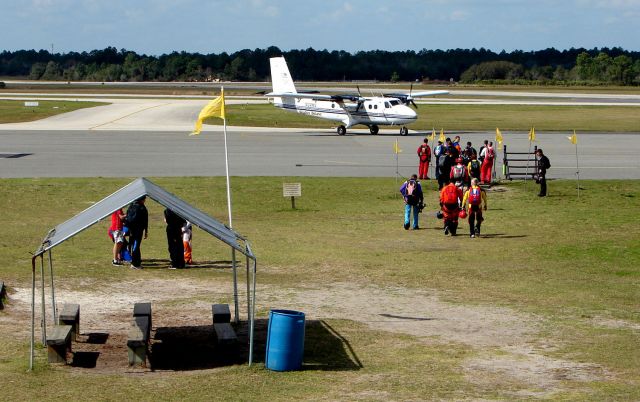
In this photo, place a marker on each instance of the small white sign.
(291, 189)
(32, 104)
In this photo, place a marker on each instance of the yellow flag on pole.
(498, 136)
(532, 134)
(433, 135)
(442, 138)
(396, 147)
(573, 138)
(215, 108)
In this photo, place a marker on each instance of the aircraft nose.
(410, 112)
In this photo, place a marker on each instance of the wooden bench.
(138, 340)
(222, 324)
(3, 295)
(59, 343)
(143, 310)
(70, 315)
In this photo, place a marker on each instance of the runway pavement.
(280, 152)
(149, 137)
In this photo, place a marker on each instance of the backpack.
(411, 192)
(474, 168)
(425, 153)
(458, 172)
(442, 162)
(450, 195)
(475, 196)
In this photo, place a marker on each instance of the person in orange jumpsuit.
(475, 199)
(424, 156)
(450, 201)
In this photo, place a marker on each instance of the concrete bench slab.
(225, 333)
(143, 309)
(138, 340)
(70, 315)
(3, 295)
(59, 343)
(221, 313)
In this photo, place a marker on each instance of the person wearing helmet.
(458, 174)
(450, 199)
(475, 200)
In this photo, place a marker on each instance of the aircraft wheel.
(404, 131)
(373, 129)
(342, 130)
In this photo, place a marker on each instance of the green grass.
(463, 117)
(568, 261)
(15, 111)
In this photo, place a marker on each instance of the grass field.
(464, 117)
(543, 305)
(16, 112)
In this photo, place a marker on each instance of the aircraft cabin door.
(387, 111)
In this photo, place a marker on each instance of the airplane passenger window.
(375, 106)
(333, 105)
(386, 104)
(369, 106)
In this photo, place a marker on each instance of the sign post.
(292, 190)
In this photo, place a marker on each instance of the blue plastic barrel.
(285, 340)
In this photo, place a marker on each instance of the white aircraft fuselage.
(373, 111)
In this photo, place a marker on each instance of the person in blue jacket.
(411, 191)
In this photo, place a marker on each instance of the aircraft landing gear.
(404, 131)
(373, 129)
(342, 130)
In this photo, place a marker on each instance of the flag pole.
(233, 250)
(577, 169)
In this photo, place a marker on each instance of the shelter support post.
(44, 310)
(33, 310)
(248, 294)
(253, 314)
(53, 291)
(236, 315)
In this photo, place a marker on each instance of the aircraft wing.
(429, 93)
(299, 95)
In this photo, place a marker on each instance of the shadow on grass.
(96, 338)
(195, 348)
(400, 317)
(159, 263)
(85, 359)
(501, 236)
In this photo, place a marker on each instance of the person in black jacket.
(174, 238)
(138, 222)
(543, 165)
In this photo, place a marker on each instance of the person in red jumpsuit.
(488, 154)
(424, 156)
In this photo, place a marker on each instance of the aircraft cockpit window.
(386, 104)
(394, 102)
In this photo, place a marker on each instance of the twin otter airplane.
(386, 110)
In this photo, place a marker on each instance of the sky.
(155, 27)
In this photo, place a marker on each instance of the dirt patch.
(508, 341)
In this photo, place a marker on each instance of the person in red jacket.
(450, 200)
(424, 156)
(116, 234)
(488, 154)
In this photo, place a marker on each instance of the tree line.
(549, 66)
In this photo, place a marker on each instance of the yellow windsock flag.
(442, 137)
(573, 138)
(433, 135)
(396, 148)
(498, 136)
(532, 134)
(215, 108)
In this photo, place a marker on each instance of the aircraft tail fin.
(280, 76)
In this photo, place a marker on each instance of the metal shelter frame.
(121, 198)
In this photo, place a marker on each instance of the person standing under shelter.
(116, 233)
(138, 224)
(174, 238)
(187, 234)
(424, 156)
(475, 199)
(411, 191)
(543, 165)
